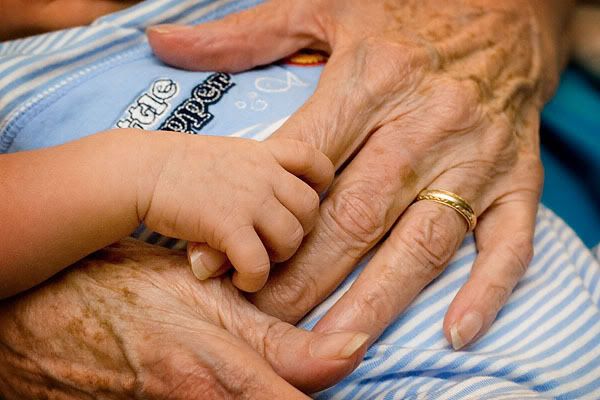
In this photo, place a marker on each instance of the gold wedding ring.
(453, 201)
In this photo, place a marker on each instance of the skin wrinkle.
(297, 291)
(455, 110)
(98, 354)
(34, 365)
(456, 48)
(182, 382)
(141, 367)
(421, 117)
(137, 383)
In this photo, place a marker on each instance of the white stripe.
(146, 9)
(513, 389)
(34, 42)
(6, 65)
(39, 46)
(68, 37)
(21, 43)
(596, 393)
(418, 342)
(64, 56)
(41, 80)
(269, 130)
(523, 362)
(244, 131)
(200, 13)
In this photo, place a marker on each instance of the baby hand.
(241, 197)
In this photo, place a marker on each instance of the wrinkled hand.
(242, 197)
(440, 95)
(132, 322)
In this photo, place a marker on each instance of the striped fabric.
(34, 68)
(546, 342)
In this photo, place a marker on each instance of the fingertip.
(157, 31)
(204, 261)
(165, 40)
(464, 329)
(337, 345)
(326, 171)
(313, 361)
(249, 282)
(196, 48)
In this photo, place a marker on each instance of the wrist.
(154, 149)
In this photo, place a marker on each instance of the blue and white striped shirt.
(64, 85)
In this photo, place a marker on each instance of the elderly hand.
(416, 95)
(133, 322)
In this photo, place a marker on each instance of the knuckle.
(286, 247)
(377, 304)
(501, 144)
(520, 249)
(371, 307)
(232, 235)
(179, 378)
(270, 346)
(234, 382)
(295, 238)
(455, 105)
(311, 203)
(429, 243)
(359, 215)
(304, 151)
(533, 168)
(497, 295)
(258, 267)
(388, 64)
(297, 293)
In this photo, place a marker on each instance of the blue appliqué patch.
(192, 115)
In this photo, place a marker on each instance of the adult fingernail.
(198, 268)
(205, 262)
(337, 345)
(466, 329)
(169, 28)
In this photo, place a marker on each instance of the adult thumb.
(311, 361)
(240, 41)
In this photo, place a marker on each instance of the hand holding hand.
(241, 197)
(131, 322)
(416, 95)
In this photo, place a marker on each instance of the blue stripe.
(94, 52)
(509, 368)
(441, 368)
(105, 48)
(407, 359)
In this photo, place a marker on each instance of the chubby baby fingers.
(300, 199)
(304, 161)
(280, 230)
(249, 258)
